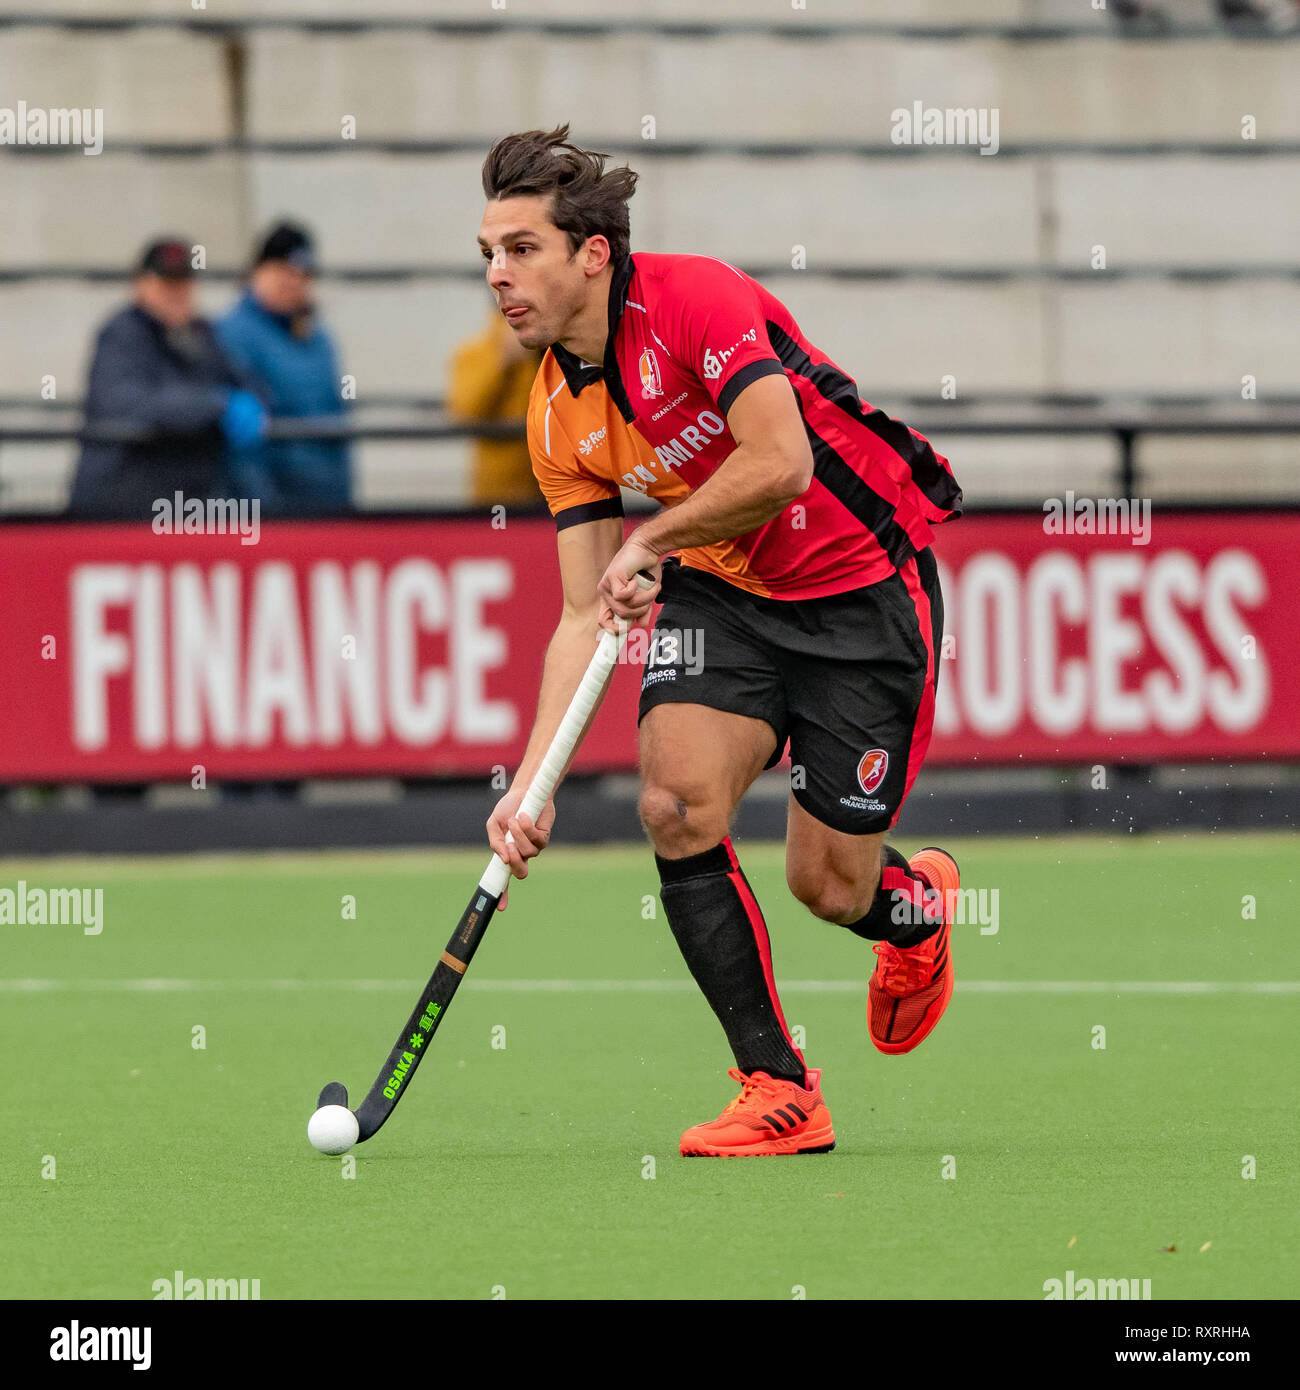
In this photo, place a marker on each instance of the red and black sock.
(722, 937)
(903, 911)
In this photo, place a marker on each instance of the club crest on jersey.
(872, 769)
(651, 383)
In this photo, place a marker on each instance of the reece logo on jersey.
(593, 441)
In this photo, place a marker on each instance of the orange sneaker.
(911, 985)
(767, 1117)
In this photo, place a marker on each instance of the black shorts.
(849, 681)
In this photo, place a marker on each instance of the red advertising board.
(366, 647)
(1175, 644)
(414, 647)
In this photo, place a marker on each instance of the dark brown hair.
(586, 200)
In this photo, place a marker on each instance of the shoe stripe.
(788, 1118)
(790, 1105)
(776, 1124)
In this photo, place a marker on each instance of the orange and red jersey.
(688, 334)
(582, 451)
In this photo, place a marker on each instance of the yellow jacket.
(483, 387)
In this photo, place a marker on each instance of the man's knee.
(828, 895)
(680, 823)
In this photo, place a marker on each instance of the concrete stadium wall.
(949, 210)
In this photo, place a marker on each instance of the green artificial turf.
(523, 1168)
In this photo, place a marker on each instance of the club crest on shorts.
(872, 769)
(651, 384)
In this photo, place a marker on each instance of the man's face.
(540, 286)
(171, 302)
(281, 287)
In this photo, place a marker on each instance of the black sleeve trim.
(588, 511)
(769, 366)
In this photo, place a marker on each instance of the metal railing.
(1020, 273)
(1134, 403)
(795, 25)
(678, 149)
(1126, 430)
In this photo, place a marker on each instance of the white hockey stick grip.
(585, 699)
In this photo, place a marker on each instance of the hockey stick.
(395, 1076)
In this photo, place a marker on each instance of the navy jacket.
(148, 376)
(295, 371)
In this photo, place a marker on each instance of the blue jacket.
(175, 383)
(295, 375)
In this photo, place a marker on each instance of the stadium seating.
(1133, 145)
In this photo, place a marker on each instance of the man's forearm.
(567, 657)
(743, 494)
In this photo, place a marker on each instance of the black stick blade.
(336, 1093)
(392, 1081)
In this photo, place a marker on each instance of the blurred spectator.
(158, 368)
(1251, 17)
(273, 334)
(1260, 16)
(491, 377)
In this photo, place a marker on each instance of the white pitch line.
(1128, 986)
(665, 986)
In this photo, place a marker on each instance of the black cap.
(288, 242)
(168, 257)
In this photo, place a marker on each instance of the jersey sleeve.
(718, 327)
(572, 493)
